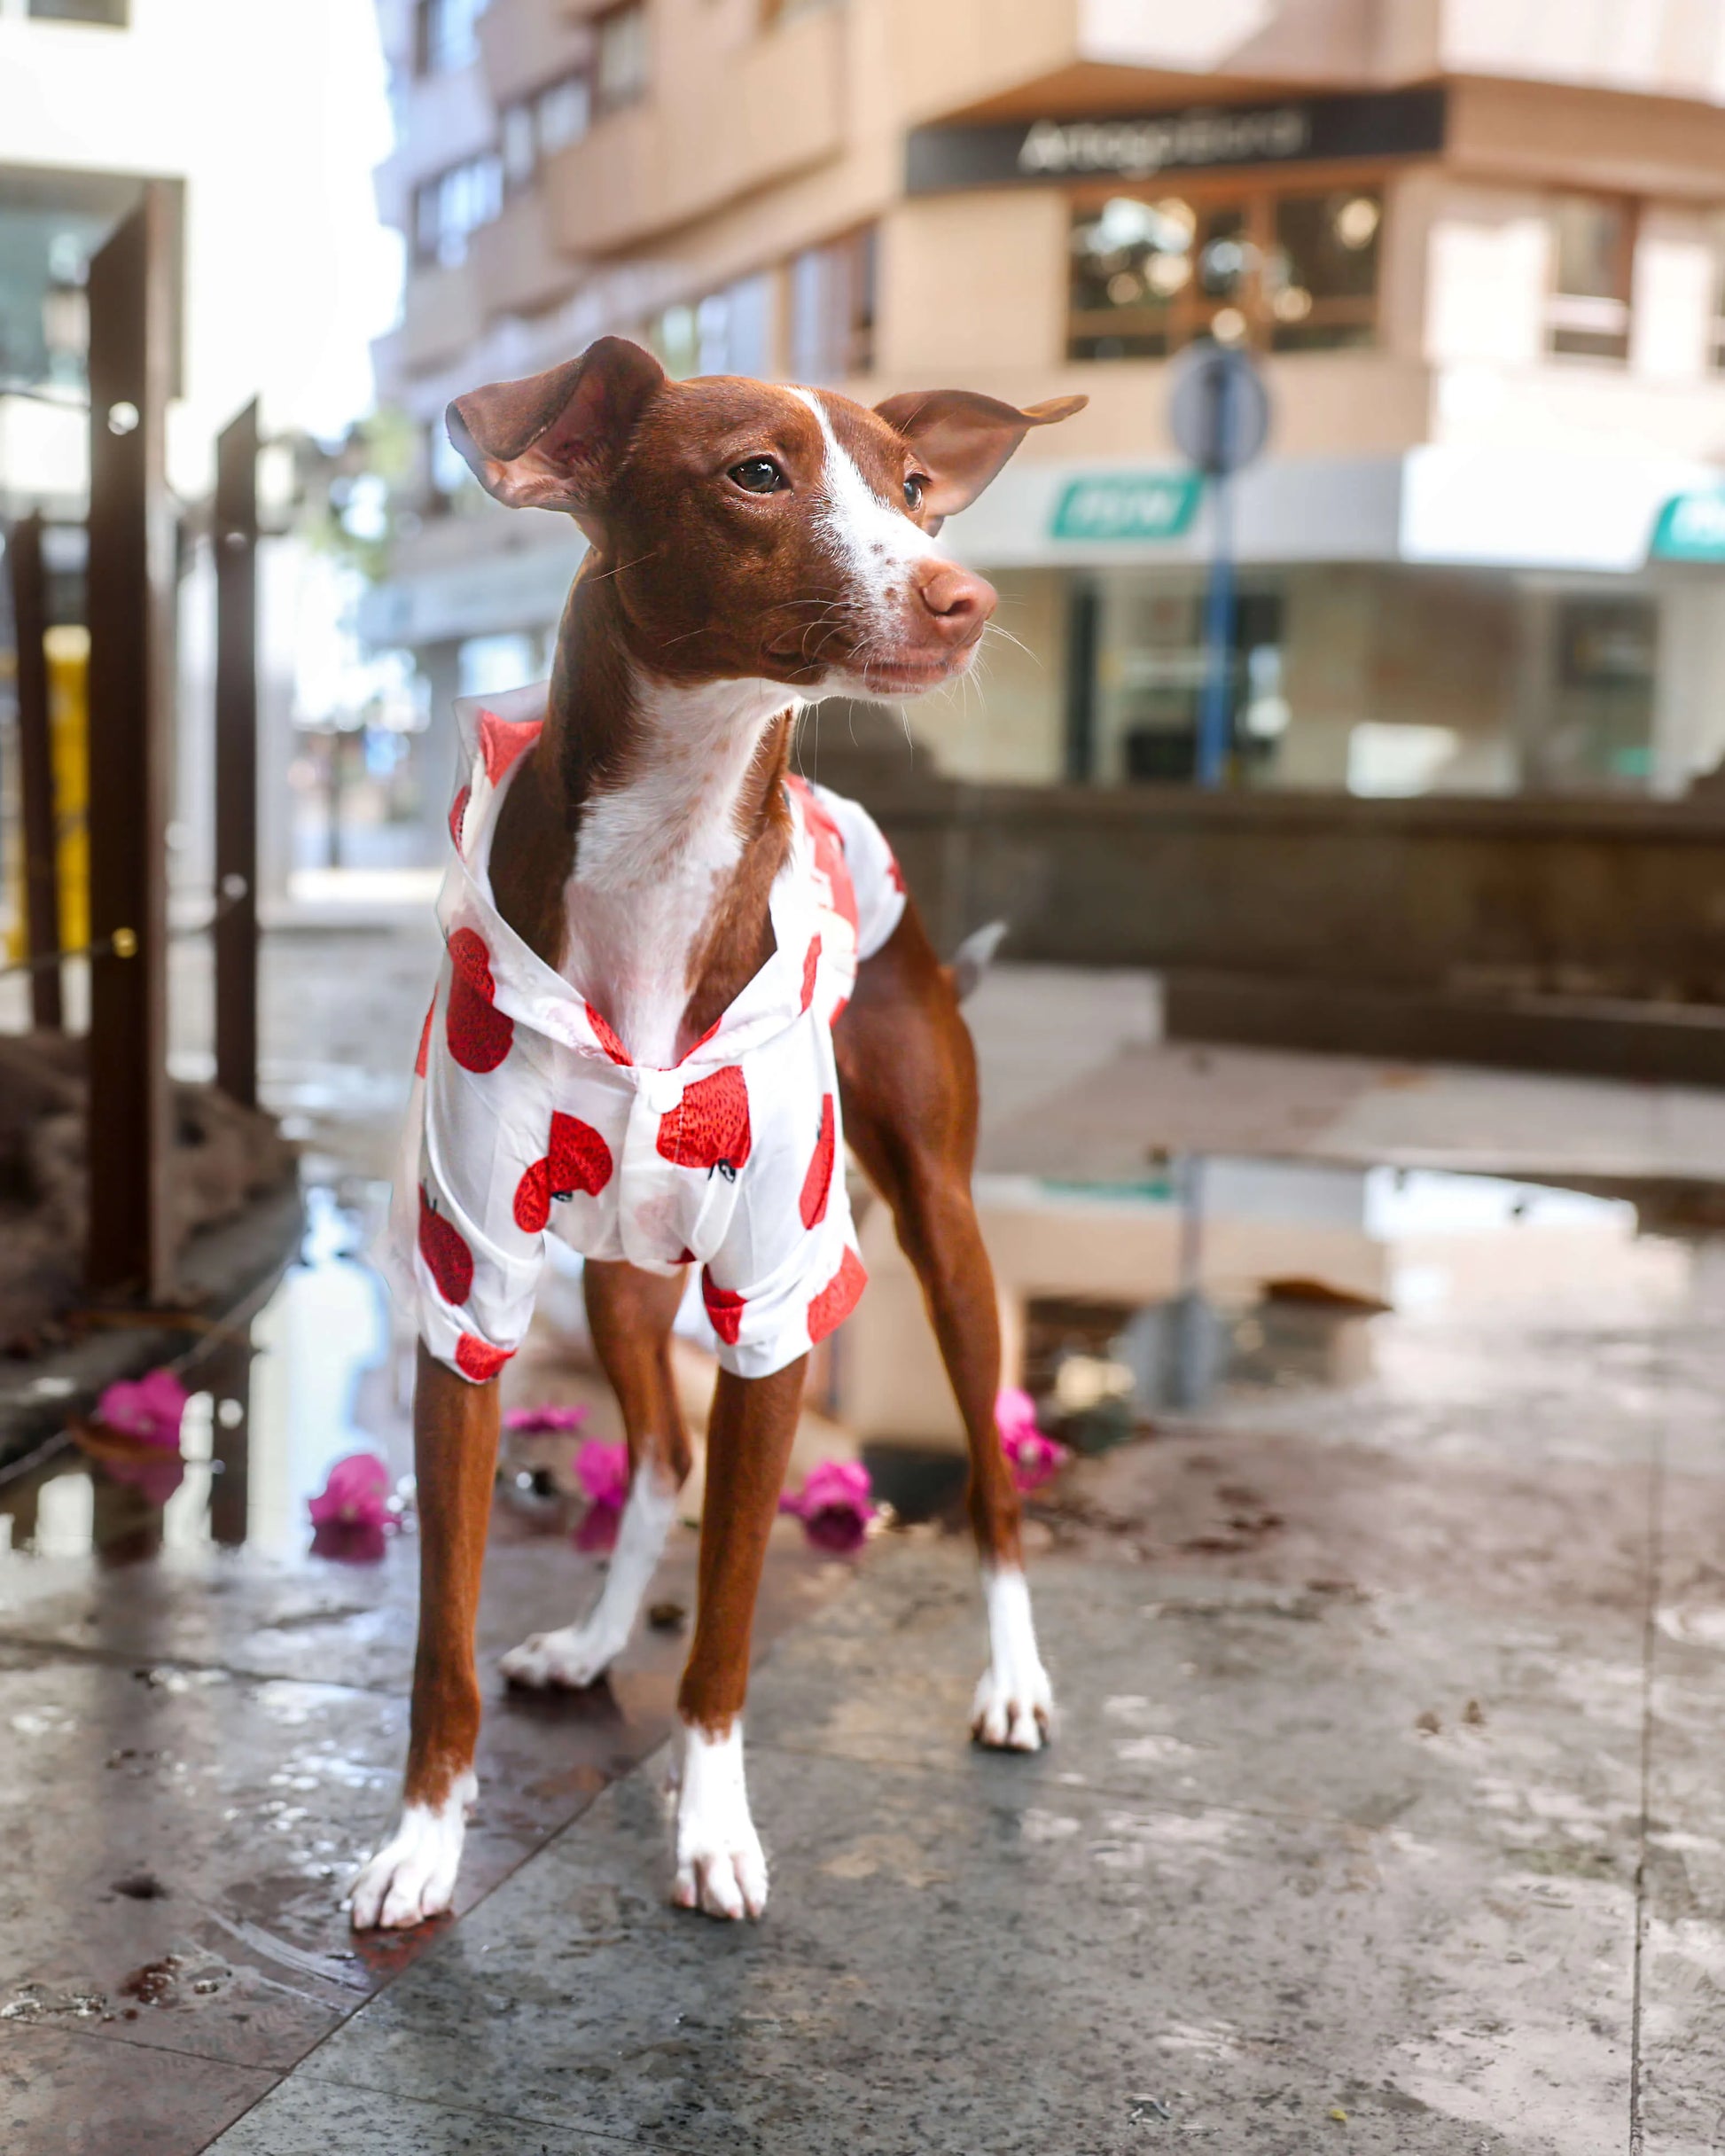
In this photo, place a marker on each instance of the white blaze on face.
(875, 543)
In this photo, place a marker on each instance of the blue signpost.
(1219, 414)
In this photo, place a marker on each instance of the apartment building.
(1479, 252)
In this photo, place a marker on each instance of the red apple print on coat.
(894, 873)
(447, 1256)
(501, 741)
(829, 858)
(724, 1308)
(580, 1158)
(532, 1198)
(810, 966)
(817, 1183)
(478, 1359)
(839, 1298)
(478, 1033)
(602, 1034)
(458, 814)
(420, 1060)
(710, 1124)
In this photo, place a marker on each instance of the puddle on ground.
(1289, 1274)
(319, 1372)
(1275, 1275)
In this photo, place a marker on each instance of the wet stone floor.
(1386, 1811)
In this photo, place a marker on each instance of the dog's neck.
(658, 828)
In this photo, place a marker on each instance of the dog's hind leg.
(907, 1072)
(455, 1454)
(631, 1314)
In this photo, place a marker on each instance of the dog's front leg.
(455, 1453)
(720, 1865)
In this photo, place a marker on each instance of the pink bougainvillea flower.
(537, 1422)
(602, 1471)
(835, 1504)
(597, 1534)
(149, 1409)
(360, 1544)
(1032, 1457)
(357, 1495)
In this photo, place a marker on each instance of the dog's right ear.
(555, 441)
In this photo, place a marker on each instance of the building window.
(538, 126)
(1716, 329)
(833, 309)
(729, 331)
(1282, 269)
(112, 13)
(446, 34)
(619, 68)
(1592, 256)
(451, 208)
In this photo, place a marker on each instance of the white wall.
(273, 111)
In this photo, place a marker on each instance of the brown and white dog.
(755, 548)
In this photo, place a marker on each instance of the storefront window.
(1320, 280)
(1592, 254)
(1602, 724)
(1281, 270)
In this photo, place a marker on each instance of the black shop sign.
(1141, 146)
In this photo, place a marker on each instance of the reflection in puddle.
(1278, 1273)
(318, 1374)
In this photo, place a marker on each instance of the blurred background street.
(1351, 788)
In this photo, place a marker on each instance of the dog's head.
(757, 531)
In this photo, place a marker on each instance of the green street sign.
(1127, 505)
(1691, 528)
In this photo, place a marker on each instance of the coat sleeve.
(478, 1218)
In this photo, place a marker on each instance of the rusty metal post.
(42, 868)
(236, 932)
(130, 591)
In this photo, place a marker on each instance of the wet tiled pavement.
(1385, 1815)
(202, 1724)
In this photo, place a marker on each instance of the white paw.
(1013, 1709)
(722, 1869)
(413, 1876)
(571, 1659)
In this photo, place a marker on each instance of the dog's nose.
(959, 603)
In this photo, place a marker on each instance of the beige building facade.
(1479, 252)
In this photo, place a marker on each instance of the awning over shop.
(1486, 508)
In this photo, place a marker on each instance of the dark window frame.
(1190, 313)
(1588, 321)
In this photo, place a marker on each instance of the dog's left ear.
(965, 438)
(556, 439)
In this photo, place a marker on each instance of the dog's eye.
(915, 487)
(758, 475)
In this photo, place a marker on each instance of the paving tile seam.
(111, 1657)
(571, 2126)
(1654, 1599)
(63, 2027)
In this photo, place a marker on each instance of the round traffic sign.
(1218, 407)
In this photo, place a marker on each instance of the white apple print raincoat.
(528, 1117)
